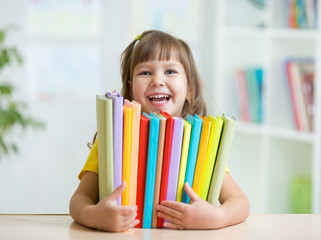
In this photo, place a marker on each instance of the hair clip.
(139, 37)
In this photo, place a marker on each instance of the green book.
(301, 192)
(228, 130)
(104, 109)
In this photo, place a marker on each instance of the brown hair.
(145, 48)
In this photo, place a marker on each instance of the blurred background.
(249, 53)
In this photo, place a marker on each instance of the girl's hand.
(197, 215)
(109, 216)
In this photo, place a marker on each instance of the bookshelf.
(266, 157)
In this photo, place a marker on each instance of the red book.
(166, 161)
(141, 174)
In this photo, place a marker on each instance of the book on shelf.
(170, 152)
(118, 101)
(104, 110)
(300, 79)
(141, 173)
(301, 14)
(250, 91)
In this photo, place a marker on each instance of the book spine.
(175, 159)
(201, 156)
(150, 171)
(134, 152)
(127, 138)
(211, 154)
(166, 160)
(244, 96)
(118, 139)
(141, 174)
(182, 169)
(105, 146)
(196, 123)
(159, 166)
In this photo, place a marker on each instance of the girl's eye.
(170, 72)
(145, 73)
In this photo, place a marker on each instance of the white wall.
(42, 177)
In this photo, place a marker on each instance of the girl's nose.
(157, 81)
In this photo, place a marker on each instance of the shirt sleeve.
(92, 161)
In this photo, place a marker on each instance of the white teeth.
(159, 102)
(158, 96)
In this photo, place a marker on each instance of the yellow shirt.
(92, 162)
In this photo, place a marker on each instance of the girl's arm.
(200, 214)
(105, 215)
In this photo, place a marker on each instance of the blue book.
(259, 78)
(150, 169)
(196, 124)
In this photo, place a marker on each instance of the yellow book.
(104, 110)
(221, 159)
(127, 145)
(212, 150)
(184, 154)
(134, 151)
(201, 155)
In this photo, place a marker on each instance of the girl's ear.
(189, 96)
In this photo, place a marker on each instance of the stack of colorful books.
(157, 153)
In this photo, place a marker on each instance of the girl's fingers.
(178, 206)
(173, 226)
(128, 223)
(190, 192)
(170, 211)
(127, 211)
(170, 218)
(117, 192)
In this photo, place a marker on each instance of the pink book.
(244, 97)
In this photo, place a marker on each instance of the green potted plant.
(12, 111)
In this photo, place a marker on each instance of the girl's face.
(160, 85)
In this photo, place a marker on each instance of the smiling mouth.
(159, 99)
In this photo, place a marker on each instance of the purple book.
(175, 158)
(118, 102)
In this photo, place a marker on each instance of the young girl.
(158, 70)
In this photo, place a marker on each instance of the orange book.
(201, 156)
(127, 140)
(134, 151)
(159, 165)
